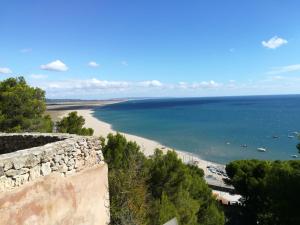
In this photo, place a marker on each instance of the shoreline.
(147, 146)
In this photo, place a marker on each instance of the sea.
(218, 129)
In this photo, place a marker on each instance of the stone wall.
(12, 142)
(59, 179)
(69, 154)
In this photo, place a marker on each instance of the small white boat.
(294, 156)
(261, 149)
(291, 136)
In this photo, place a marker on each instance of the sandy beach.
(147, 146)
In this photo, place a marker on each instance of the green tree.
(22, 107)
(127, 185)
(165, 210)
(153, 191)
(269, 190)
(185, 188)
(73, 124)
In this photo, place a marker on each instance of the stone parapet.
(42, 154)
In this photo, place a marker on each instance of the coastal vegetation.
(73, 124)
(151, 191)
(22, 107)
(270, 190)
(156, 189)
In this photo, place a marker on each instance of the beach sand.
(147, 146)
(211, 176)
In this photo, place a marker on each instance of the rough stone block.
(6, 183)
(57, 158)
(54, 168)
(32, 161)
(35, 172)
(46, 157)
(45, 169)
(7, 165)
(71, 162)
(60, 151)
(21, 179)
(12, 172)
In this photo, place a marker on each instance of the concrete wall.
(63, 182)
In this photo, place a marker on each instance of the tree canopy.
(22, 107)
(153, 191)
(270, 190)
(73, 124)
(127, 181)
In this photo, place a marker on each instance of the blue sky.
(102, 49)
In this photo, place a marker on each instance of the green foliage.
(185, 188)
(127, 186)
(153, 191)
(22, 107)
(73, 124)
(269, 190)
(164, 209)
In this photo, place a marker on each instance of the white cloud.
(207, 84)
(124, 63)
(199, 85)
(38, 76)
(26, 50)
(285, 69)
(183, 85)
(150, 83)
(90, 84)
(97, 88)
(56, 65)
(5, 70)
(96, 84)
(93, 64)
(274, 42)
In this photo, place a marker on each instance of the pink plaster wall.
(78, 199)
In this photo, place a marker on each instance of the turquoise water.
(204, 126)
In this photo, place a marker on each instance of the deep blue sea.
(213, 128)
